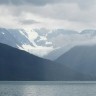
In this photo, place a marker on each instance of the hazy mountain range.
(73, 54)
(46, 43)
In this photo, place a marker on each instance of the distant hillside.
(16, 65)
(80, 58)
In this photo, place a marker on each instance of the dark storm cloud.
(34, 2)
(81, 3)
(15, 2)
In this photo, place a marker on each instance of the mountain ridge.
(18, 65)
(81, 58)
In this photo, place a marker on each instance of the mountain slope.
(20, 65)
(14, 37)
(81, 58)
(7, 38)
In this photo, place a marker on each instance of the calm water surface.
(48, 88)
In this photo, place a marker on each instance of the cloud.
(68, 11)
(33, 2)
(28, 22)
(81, 3)
(66, 14)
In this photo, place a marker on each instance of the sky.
(52, 14)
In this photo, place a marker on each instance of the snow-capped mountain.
(46, 43)
(15, 38)
(7, 38)
(24, 40)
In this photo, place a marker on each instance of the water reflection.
(31, 89)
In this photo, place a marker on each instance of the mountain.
(66, 41)
(81, 58)
(17, 65)
(23, 40)
(21, 36)
(49, 44)
(7, 38)
(15, 38)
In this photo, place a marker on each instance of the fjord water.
(48, 88)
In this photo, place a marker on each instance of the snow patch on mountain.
(41, 51)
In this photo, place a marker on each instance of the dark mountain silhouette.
(17, 65)
(81, 58)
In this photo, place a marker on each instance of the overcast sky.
(51, 14)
